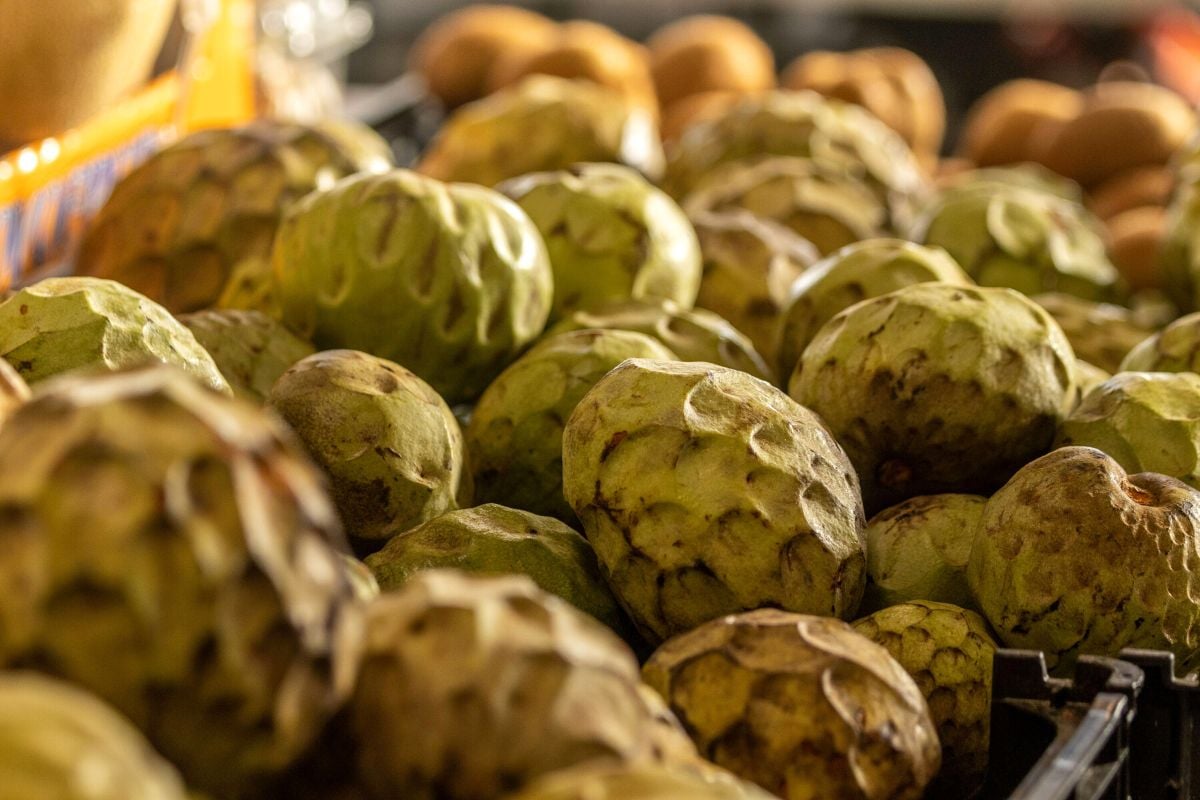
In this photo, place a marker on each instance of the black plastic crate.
(1165, 741)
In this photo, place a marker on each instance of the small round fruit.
(1013, 123)
(937, 388)
(705, 492)
(1075, 556)
(705, 53)
(250, 348)
(803, 706)
(390, 445)
(62, 325)
(514, 439)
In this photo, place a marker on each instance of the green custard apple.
(612, 236)
(542, 123)
(803, 706)
(937, 388)
(514, 439)
(1147, 421)
(1176, 348)
(705, 492)
(451, 281)
(855, 273)
(1101, 334)
(13, 390)
(1075, 556)
(61, 325)
(1021, 176)
(250, 348)
(1179, 254)
(1087, 377)
(390, 445)
(918, 550)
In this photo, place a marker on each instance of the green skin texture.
(251, 349)
(1074, 556)
(706, 492)
(829, 208)
(1176, 348)
(1021, 176)
(390, 445)
(948, 651)
(1087, 377)
(938, 388)
(514, 439)
(542, 123)
(61, 325)
(192, 226)
(611, 235)
(858, 272)
(918, 550)
(60, 743)
(691, 334)
(1148, 422)
(804, 124)
(1179, 256)
(1100, 333)
(494, 540)
(750, 265)
(452, 281)
(1021, 239)
(13, 390)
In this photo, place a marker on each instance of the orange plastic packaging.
(50, 188)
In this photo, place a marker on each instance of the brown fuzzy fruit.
(705, 53)
(1008, 124)
(1135, 240)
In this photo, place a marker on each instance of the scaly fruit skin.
(472, 686)
(1020, 176)
(514, 439)
(858, 272)
(195, 222)
(825, 205)
(1179, 256)
(13, 390)
(640, 782)
(750, 265)
(60, 325)
(1176, 348)
(1021, 239)
(611, 236)
(948, 651)
(250, 348)
(494, 540)
(803, 124)
(542, 123)
(937, 388)
(803, 706)
(390, 445)
(1147, 421)
(450, 281)
(1101, 334)
(706, 492)
(691, 334)
(172, 551)
(918, 550)
(60, 743)
(1074, 556)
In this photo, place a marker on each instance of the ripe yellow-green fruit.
(494, 540)
(803, 706)
(705, 492)
(804, 124)
(823, 204)
(918, 550)
(391, 447)
(60, 743)
(471, 687)
(750, 267)
(13, 390)
(192, 227)
(611, 236)
(691, 334)
(938, 388)
(1030, 176)
(1176, 348)
(514, 439)
(1075, 556)
(173, 551)
(452, 281)
(858, 272)
(640, 782)
(948, 651)
(250, 348)
(542, 123)
(62, 325)
(1087, 377)
(1147, 421)
(1101, 334)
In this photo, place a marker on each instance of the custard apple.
(640, 782)
(250, 348)
(1176, 348)
(1101, 334)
